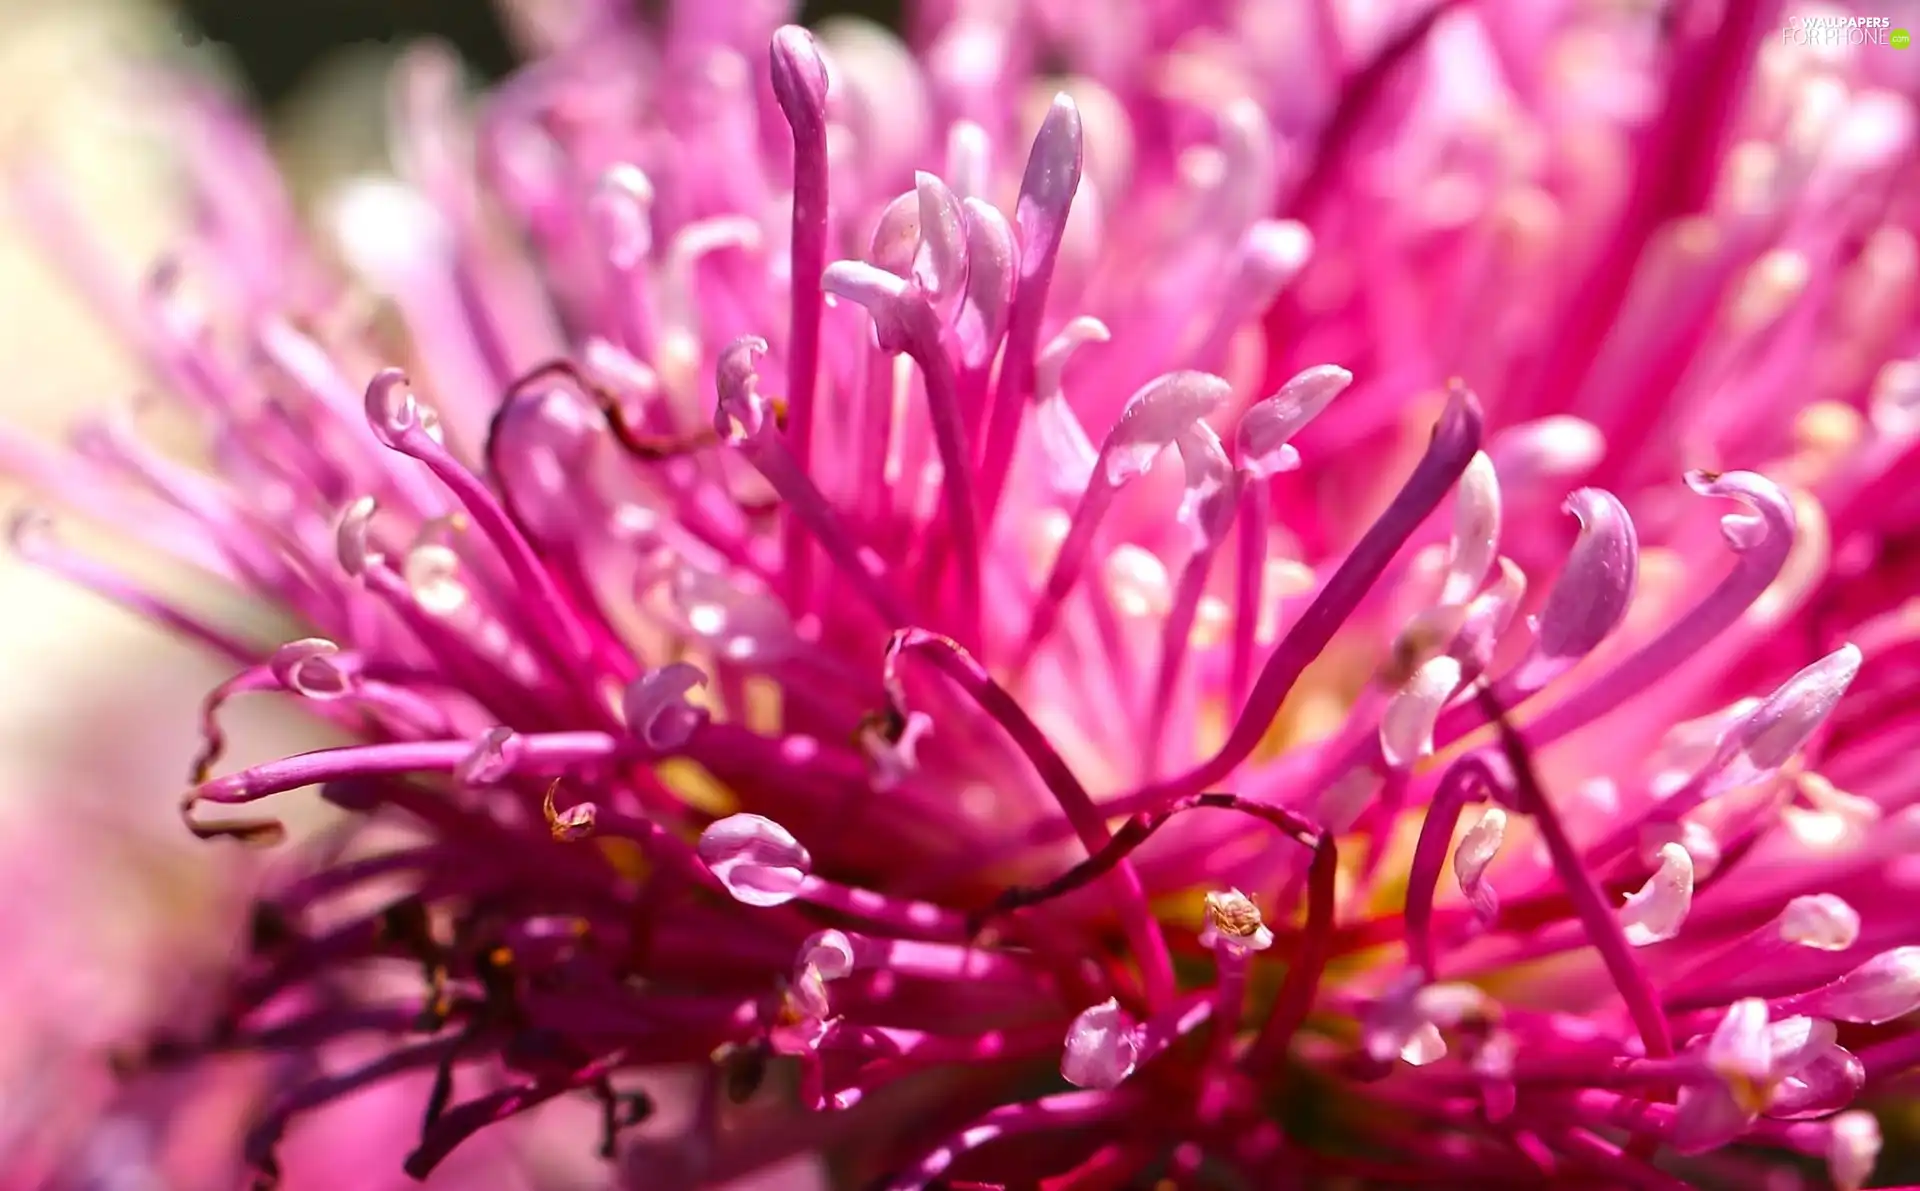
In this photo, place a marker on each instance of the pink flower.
(845, 515)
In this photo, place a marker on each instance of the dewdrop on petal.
(1101, 1049)
(756, 859)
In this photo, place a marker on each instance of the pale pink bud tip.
(658, 711)
(1658, 910)
(1777, 729)
(1882, 989)
(1101, 1051)
(756, 859)
(1852, 1149)
(799, 73)
(1264, 431)
(1053, 171)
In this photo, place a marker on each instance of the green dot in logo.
(1899, 39)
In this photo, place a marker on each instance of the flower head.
(844, 516)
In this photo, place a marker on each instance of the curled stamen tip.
(658, 710)
(799, 72)
(889, 299)
(574, 823)
(392, 409)
(1477, 850)
(742, 412)
(1101, 1050)
(828, 952)
(1741, 531)
(1592, 595)
(306, 667)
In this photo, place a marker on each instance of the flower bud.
(756, 859)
